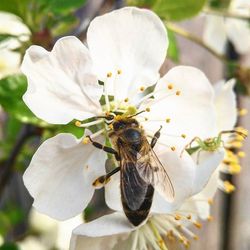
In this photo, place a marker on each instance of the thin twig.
(226, 14)
(6, 169)
(182, 32)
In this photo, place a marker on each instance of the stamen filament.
(161, 242)
(85, 125)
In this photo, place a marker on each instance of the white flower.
(220, 29)
(13, 26)
(226, 110)
(53, 233)
(126, 50)
(175, 223)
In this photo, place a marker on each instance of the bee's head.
(125, 123)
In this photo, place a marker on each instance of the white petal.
(208, 162)
(132, 40)
(238, 32)
(60, 176)
(225, 103)
(103, 233)
(31, 243)
(9, 62)
(12, 24)
(181, 171)
(192, 113)
(199, 203)
(61, 85)
(215, 33)
(65, 229)
(113, 193)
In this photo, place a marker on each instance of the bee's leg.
(105, 148)
(155, 137)
(104, 179)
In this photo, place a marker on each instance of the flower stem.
(160, 241)
(226, 14)
(182, 32)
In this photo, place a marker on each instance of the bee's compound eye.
(118, 125)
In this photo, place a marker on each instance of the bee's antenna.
(106, 117)
(137, 114)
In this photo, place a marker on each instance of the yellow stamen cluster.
(242, 112)
(168, 120)
(173, 148)
(178, 92)
(231, 162)
(170, 86)
(210, 201)
(109, 74)
(142, 88)
(210, 218)
(78, 123)
(119, 71)
(85, 140)
(147, 109)
(183, 136)
(228, 187)
(197, 224)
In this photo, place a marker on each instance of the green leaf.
(66, 23)
(173, 49)
(12, 89)
(219, 4)
(60, 6)
(175, 10)
(9, 246)
(16, 7)
(141, 3)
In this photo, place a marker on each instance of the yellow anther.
(131, 110)
(229, 187)
(126, 100)
(234, 168)
(146, 119)
(142, 88)
(189, 217)
(147, 109)
(210, 201)
(168, 120)
(173, 148)
(195, 237)
(183, 136)
(241, 154)
(197, 224)
(118, 117)
(78, 123)
(85, 140)
(178, 92)
(111, 126)
(242, 130)
(236, 144)
(107, 113)
(109, 74)
(170, 86)
(177, 217)
(210, 218)
(242, 112)
(119, 71)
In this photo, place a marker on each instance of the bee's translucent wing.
(134, 189)
(153, 172)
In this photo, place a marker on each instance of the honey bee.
(141, 170)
